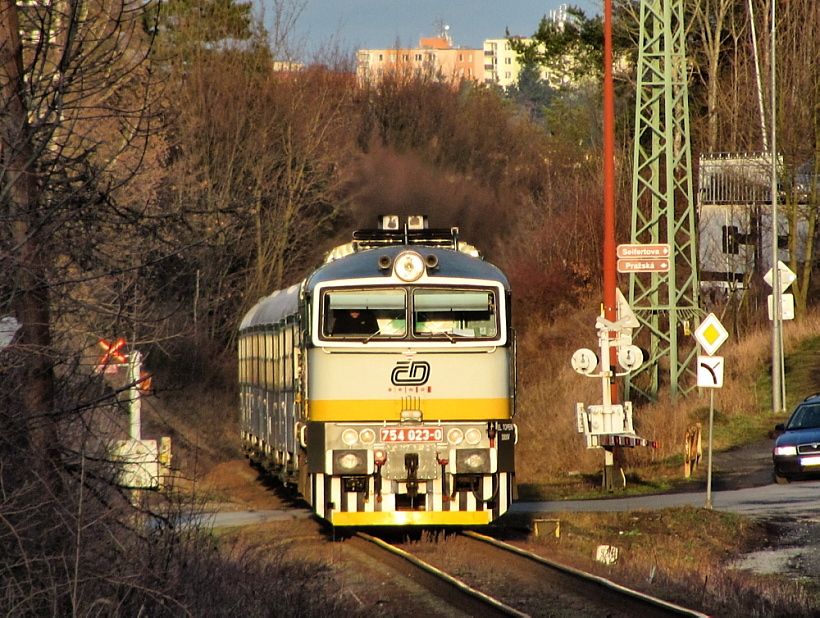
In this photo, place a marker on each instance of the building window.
(461, 57)
(418, 57)
(406, 57)
(731, 239)
(507, 46)
(381, 57)
(507, 60)
(507, 75)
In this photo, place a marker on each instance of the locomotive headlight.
(350, 462)
(472, 436)
(367, 436)
(409, 266)
(455, 436)
(473, 461)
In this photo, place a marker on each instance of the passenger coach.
(382, 386)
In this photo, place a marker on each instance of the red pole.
(610, 271)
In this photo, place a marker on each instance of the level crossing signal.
(112, 356)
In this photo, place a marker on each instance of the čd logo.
(410, 373)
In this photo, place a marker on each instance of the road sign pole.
(611, 394)
(134, 395)
(777, 324)
(708, 504)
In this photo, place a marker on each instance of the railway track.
(456, 596)
(598, 596)
(487, 577)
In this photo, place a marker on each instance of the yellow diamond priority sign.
(711, 334)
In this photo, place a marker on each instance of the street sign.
(710, 371)
(785, 275)
(8, 329)
(711, 334)
(643, 265)
(625, 314)
(786, 306)
(643, 251)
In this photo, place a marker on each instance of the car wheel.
(781, 479)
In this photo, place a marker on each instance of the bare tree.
(75, 126)
(24, 257)
(262, 173)
(799, 134)
(712, 17)
(75, 114)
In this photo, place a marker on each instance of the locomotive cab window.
(365, 314)
(455, 314)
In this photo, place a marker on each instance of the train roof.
(366, 264)
(271, 309)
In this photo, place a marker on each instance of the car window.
(806, 416)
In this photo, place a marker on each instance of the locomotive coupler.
(411, 463)
(445, 490)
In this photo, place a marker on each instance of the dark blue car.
(797, 449)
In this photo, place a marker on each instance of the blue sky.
(357, 24)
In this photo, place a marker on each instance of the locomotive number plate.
(412, 434)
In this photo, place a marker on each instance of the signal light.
(379, 457)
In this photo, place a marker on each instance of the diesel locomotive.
(382, 386)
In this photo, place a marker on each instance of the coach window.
(368, 314)
(268, 359)
(455, 314)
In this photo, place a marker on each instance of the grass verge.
(684, 555)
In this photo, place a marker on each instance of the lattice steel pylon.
(663, 208)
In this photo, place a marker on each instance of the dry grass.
(683, 555)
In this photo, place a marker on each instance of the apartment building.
(496, 63)
(501, 65)
(434, 56)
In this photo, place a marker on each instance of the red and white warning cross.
(112, 356)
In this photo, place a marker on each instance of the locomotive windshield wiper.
(369, 337)
(451, 336)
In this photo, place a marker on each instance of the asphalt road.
(799, 500)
